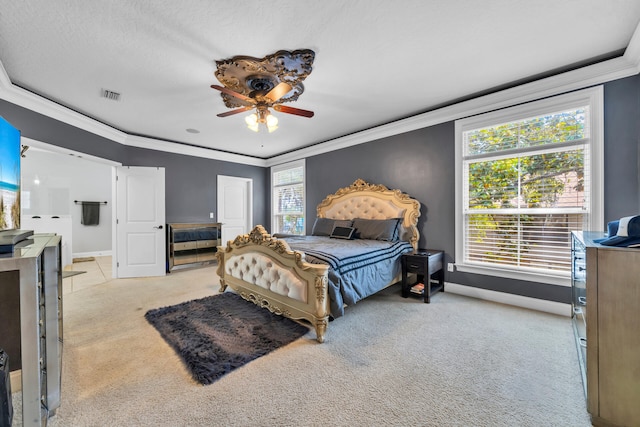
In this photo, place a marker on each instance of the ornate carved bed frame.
(264, 270)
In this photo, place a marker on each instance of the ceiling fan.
(262, 101)
(259, 84)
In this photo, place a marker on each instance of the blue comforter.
(358, 268)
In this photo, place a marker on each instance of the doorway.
(140, 236)
(235, 207)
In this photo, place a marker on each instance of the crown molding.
(613, 69)
(171, 147)
(23, 98)
(617, 68)
(632, 52)
(34, 143)
(5, 82)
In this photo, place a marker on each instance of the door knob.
(159, 227)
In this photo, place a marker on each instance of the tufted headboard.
(373, 201)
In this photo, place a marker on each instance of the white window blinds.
(287, 184)
(526, 186)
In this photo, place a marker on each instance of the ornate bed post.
(249, 255)
(322, 307)
(321, 329)
(220, 270)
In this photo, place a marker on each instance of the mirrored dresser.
(606, 299)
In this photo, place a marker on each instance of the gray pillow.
(324, 226)
(342, 223)
(377, 229)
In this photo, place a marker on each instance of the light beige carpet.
(389, 361)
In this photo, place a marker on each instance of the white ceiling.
(376, 61)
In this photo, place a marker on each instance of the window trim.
(279, 168)
(594, 97)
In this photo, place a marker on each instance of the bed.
(315, 277)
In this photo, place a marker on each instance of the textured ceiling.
(376, 61)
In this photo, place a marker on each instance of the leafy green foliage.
(536, 175)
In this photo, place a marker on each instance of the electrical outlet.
(211, 215)
(450, 267)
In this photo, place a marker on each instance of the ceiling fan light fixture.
(272, 121)
(252, 83)
(263, 116)
(251, 120)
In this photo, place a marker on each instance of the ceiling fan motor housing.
(261, 83)
(254, 77)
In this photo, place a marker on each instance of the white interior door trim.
(140, 222)
(235, 206)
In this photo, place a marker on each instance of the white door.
(235, 209)
(140, 222)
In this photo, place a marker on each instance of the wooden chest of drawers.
(606, 287)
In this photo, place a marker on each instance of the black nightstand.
(425, 263)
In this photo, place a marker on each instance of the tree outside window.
(525, 190)
(288, 199)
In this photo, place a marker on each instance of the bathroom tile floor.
(94, 272)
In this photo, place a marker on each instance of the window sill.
(516, 275)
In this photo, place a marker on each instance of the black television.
(9, 176)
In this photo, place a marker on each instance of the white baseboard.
(511, 299)
(89, 254)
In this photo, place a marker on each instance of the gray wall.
(621, 148)
(190, 191)
(191, 184)
(419, 162)
(45, 129)
(422, 164)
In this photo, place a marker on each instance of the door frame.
(220, 199)
(114, 207)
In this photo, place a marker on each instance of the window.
(526, 177)
(287, 202)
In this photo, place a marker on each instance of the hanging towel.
(90, 213)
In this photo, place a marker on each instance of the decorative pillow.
(377, 229)
(324, 226)
(342, 232)
(342, 223)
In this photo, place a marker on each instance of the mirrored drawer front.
(207, 243)
(206, 256)
(580, 319)
(186, 258)
(183, 246)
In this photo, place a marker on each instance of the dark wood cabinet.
(425, 263)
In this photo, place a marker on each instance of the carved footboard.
(265, 271)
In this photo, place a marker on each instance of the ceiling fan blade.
(279, 91)
(236, 111)
(233, 93)
(291, 110)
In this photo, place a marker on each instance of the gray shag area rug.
(217, 334)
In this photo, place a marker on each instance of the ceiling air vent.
(109, 94)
